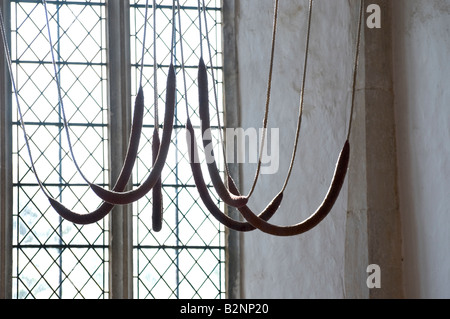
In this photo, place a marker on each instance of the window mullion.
(5, 169)
(119, 93)
(232, 105)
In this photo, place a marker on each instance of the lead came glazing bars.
(187, 258)
(45, 247)
(186, 248)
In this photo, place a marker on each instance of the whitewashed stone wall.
(422, 77)
(309, 265)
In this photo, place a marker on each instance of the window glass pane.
(187, 258)
(54, 258)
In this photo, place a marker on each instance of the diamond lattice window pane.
(52, 257)
(188, 228)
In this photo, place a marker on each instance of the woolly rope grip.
(323, 210)
(61, 102)
(197, 171)
(206, 198)
(339, 174)
(268, 94)
(203, 92)
(124, 198)
(157, 200)
(133, 146)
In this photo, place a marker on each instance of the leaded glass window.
(53, 258)
(187, 259)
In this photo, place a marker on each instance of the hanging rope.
(338, 177)
(302, 97)
(125, 174)
(157, 197)
(59, 89)
(337, 181)
(154, 178)
(16, 95)
(269, 90)
(197, 170)
(355, 69)
(270, 210)
(203, 93)
(160, 147)
(107, 194)
(228, 197)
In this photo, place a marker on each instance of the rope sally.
(159, 160)
(203, 92)
(197, 170)
(235, 200)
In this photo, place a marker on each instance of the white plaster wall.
(310, 265)
(422, 95)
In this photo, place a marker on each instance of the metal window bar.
(187, 258)
(51, 257)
